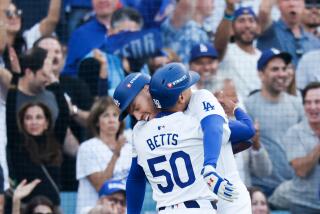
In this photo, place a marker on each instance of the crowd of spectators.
(60, 62)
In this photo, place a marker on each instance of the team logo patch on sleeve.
(207, 106)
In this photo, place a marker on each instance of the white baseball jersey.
(226, 165)
(170, 150)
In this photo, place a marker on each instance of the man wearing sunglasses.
(287, 34)
(311, 17)
(112, 198)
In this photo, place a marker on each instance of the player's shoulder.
(201, 92)
(138, 126)
(201, 96)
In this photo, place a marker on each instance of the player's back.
(170, 150)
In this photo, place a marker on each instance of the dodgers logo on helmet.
(156, 103)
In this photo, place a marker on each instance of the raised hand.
(256, 142)
(99, 56)
(219, 185)
(24, 189)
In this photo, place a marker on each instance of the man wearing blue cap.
(240, 58)
(112, 198)
(138, 109)
(204, 61)
(276, 111)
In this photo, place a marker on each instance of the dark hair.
(39, 200)
(36, 43)
(252, 190)
(33, 59)
(126, 13)
(19, 43)
(98, 108)
(292, 88)
(49, 151)
(310, 86)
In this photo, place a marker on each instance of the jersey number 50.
(157, 173)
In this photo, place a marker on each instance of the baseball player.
(163, 94)
(142, 109)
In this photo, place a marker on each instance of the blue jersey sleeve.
(242, 129)
(135, 188)
(212, 127)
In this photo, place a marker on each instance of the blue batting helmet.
(168, 82)
(127, 90)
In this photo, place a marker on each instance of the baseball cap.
(127, 90)
(111, 186)
(244, 11)
(203, 50)
(269, 54)
(168, 82)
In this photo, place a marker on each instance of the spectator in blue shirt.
(311, 18)
(153, 12)
(185, 27)
(89, 36)
(78, 9)
(288, 34)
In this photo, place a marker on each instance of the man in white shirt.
(240, 59)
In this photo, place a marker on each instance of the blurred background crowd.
(62, 148)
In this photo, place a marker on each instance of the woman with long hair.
(35, 150)
(105, 156)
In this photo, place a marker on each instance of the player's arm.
(212, 128)
(135, 188)
(243, 128)
(209, 112)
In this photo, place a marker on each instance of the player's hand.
(220, 186)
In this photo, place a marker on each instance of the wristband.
(74, 110)
(235, 108)
(228, 17)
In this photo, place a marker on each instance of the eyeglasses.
(10, 14)
(312, 4)
(118, 201)
(42, 213)
(299, 49)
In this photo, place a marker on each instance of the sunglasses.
(10, 14)
(118, 201)
(312, 4)
(42, 213)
